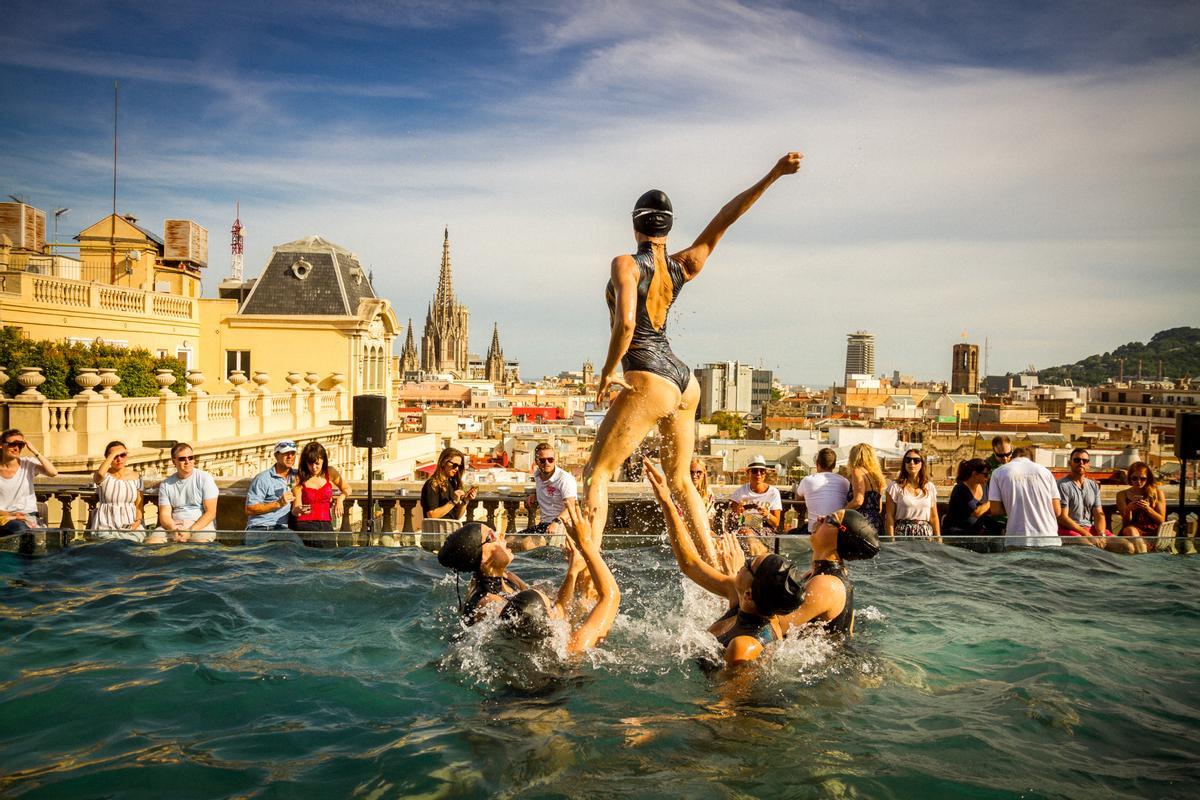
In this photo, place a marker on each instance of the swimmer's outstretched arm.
(692, 259)
(600, 619)
(575, 565)
(690, 563)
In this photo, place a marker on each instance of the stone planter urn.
(237, 378)
(312, 379)
(3, 381)
(194, 378)
(31, 378)
(165, 378)
(108, 379)
(338, 379)
(294, 379)
(88, 379)
(261, 379)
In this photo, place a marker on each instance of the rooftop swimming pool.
(281, 671)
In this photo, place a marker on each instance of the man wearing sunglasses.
(20, 463)
(555, 490)
(1081, 516)
(187, 502)
(756, 506)
(269, 498)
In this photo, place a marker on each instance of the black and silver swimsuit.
(843, 622)
(649, 350)
(747, 625)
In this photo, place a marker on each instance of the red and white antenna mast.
(236, 245)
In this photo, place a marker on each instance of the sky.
(1026, 173)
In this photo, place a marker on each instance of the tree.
(729, 422)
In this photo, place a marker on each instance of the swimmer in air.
(769, 597)
(657, 388)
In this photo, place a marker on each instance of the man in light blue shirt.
(269, 498)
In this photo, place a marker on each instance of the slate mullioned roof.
(310, 276)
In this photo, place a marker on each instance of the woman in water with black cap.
(658, 388)
(769, 597)
(482, 551)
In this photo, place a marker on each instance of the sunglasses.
(913, 459)
(120, 455)
(549, 460)
(753, 470)
(1005, 455)
(184, 459)
(16, 444)
(1138, 478)
(1081, 461)
(697, 472)
(455, 465)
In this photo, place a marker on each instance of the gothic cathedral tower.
(444, 343)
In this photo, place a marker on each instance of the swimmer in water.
(482, 551)
(527, 614)
(657, 388)
(768, 597)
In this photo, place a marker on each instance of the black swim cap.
(857, 537)
(463, 550)
(525, 615)
(777, 588)
(652, 214)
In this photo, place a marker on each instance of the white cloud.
(1053, 213)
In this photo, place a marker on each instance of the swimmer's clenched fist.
(789, 164)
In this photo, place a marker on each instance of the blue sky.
(1028, 172)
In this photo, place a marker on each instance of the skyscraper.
(860, 354)
(964, 372)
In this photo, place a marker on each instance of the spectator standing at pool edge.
(269, 498)
(18, 503)
(1030, 499)
(823, 492)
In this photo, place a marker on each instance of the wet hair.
(826, 458)
(969, 467)
(857, 538)
(114, 443)
(178, 448)
(312, 454)
(652, 214)
(525, 615)
(463, 550)
(777, 587)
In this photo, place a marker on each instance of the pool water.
(281, 671)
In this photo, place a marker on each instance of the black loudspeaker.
(1187, 436)
(370, 420)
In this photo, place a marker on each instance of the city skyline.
(1014, 186)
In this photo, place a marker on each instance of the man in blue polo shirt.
(269, 499)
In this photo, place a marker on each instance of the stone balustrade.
(85, 423)
(48, 291)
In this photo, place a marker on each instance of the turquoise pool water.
(280, 671)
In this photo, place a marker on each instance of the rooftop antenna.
(17, 198)
(236, 245)
(58, 212)
(112, 221)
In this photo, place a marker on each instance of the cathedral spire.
(445, 289)
(495, 346)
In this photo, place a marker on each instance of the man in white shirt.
(1030, 498)
(554, 490)
(755, 507)
(823, 492)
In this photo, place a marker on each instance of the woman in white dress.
(119, 490)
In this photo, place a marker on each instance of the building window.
(237, 359)
(184, 357)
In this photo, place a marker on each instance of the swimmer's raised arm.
(600, 619)
(822, 594)
(686, 555)
(575, 565)
(692, 259)
(624, 319)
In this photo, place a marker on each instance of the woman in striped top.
(119, 490)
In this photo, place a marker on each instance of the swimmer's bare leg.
(629, 418)
(679, 431)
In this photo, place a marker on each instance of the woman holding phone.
(315, 506)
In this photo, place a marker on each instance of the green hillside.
(1179, 349)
